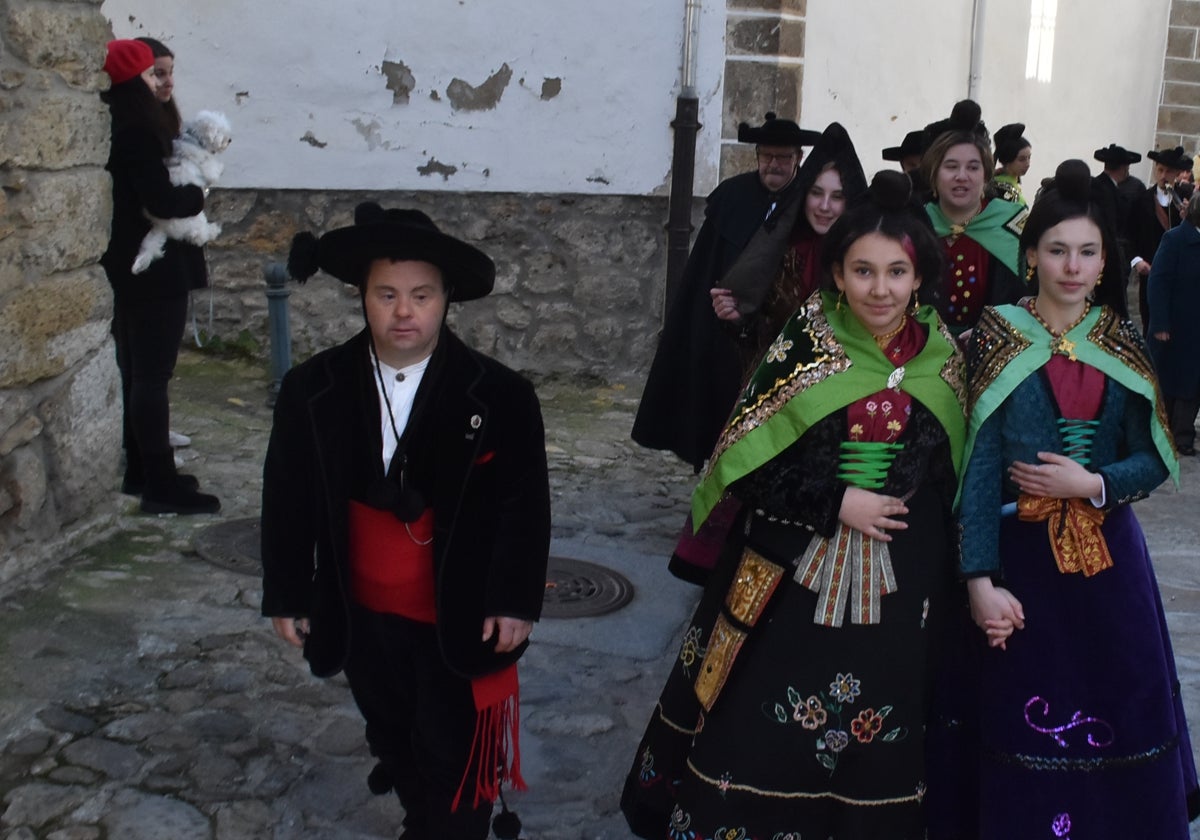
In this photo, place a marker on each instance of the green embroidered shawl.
(1009, 344)
(823, 360)
(997, 228)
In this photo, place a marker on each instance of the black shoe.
(134, 486)
(1187, 450)
(178, 499)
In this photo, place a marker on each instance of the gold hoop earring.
(1029, 273)
(841, 299)
(1099, 279)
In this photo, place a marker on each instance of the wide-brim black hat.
(1175, 158)
(347, 253)
(777, 132)
(1112, 153)
(914, 143)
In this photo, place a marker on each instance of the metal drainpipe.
(978, 15)
(279, 327)
(683, 161)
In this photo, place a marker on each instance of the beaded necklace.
(1059, 342)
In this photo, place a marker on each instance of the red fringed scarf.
(496, 749)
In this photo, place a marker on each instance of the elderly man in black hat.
(1114, 189)
(406, 520)
(696, 373)
(908, 154)
(1152, 213)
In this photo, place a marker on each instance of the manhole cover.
(232, 545)
(577, 589)
(574, 588)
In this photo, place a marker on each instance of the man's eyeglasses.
(767, 157)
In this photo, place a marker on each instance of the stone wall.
(579, 278)
(764, 70)
(1179, 105)
(59, 391)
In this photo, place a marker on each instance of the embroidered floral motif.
(778, 350)
(872, 407)
(1077, 720)
(724, 783)
(691, 651)
(844, 688)
(681, 825)
(836, 740)
(810, 712)
(893, 427)
(789, 835)
(730, 834)
(856, 431)
(647, 774)
(1061, 826)
(867, 724)
(822, 713)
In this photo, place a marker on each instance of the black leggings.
(147, 336)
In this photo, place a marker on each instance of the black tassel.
(302, 261)
(506, 825)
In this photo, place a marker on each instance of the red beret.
(126, 59)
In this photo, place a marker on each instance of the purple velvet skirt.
(1080, 727)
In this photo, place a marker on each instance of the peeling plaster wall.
(458, 95)
(1104, 88)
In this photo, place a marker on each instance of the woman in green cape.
(798, 702)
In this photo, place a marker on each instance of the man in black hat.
(406, 520)
(696, 373)
(1114, 189)
(908, 154)
(1153, 212)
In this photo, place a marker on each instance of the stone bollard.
(278, 326)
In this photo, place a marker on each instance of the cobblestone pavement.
(142, 697)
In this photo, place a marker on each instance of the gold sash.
(1075, 535)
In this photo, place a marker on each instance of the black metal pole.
(279, 326)
(679, 216)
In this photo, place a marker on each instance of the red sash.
(391, 563)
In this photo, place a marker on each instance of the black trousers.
(420, 722)
(147, 336)
(1181, 413)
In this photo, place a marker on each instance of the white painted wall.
(283, 71)
(912, 62)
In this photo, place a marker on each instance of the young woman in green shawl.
(798, 703)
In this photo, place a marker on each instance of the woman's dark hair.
(132, 105)
(1010, 140)
(161, 50)
(886, 209)
(1069, 196)
(964, 127)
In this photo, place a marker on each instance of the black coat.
(482, 436)
(696, 374)
(1174, 298)
(141, 185)
(1145, 230)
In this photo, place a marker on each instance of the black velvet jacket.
(482, 447)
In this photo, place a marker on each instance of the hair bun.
(1012, 131)
(965, 115)
(890, 190)
(368, 212)
(1073, 180)
(302, 261)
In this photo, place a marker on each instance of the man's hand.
(291, 630)
(509, 632)
(1142, 268)
(724, 304)
(1163, 336)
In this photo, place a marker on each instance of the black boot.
(165, 492)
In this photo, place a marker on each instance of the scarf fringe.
(496, 747)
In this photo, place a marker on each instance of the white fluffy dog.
(193, 161)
